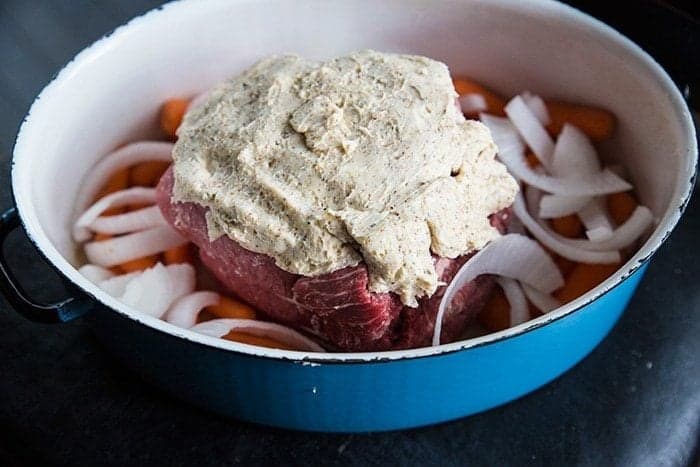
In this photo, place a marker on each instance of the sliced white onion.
(514, 256)
(574, 154)
(598, 234)
(117, 284)
(511, 152)
(122, 158)
(221, 327)
(537, 107)
(155, 289)
(95, 274)
(504, 134)
(119, 250)
(556, 243)
(136, 195)
(472, 103)
(622, 237)
(601, 183)
(519, 311)
(133, 221)
(552, 206)
(530, 129)
(184, 312)
(542, 301)
(594, 217)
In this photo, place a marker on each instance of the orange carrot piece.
(171, 116)
(597, 124)
(565, 265)
(139, 264)
(569, 226)
(583, 278)
(118, 181)
(532, 159)
(494, 102)
(205, 315)
(179, 254)
(98, 237)
(230, 308)
(496, 314)
(147, 173)
(621, 206)
(261, 341)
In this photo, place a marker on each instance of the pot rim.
(35, 232)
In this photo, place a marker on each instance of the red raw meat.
(337, 307)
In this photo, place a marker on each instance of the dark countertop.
(634, 401)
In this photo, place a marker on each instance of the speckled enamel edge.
(681, 198)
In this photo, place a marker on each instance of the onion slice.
(601, 183)
(119, 250)
(503, 133)
(116, 285)
(622, 237)
(555, 242)
(133, 221)
(136, 195)
(511, 151)
(155, 289)
(185, 310)
(519, 311)
(537, 107)
(594, 217)
(122, 158)
(574, 154)
(221, 327)
(559, 206)
(531, 129)
(514, 256)
(472, 103)
(542, 301)
(599, 234)
(94, 273)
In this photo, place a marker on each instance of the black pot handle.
(65, 310)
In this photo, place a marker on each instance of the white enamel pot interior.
(110, 94)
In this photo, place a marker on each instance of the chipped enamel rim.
(680, 198)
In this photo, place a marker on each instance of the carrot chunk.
(139, 264)
(118, 181)
(496, 314)
(230, 308)
(621, 206)
(180, 254)
(494, 102)
(583, 278)
(532, 159)
(565, 265)
(99, 237)
(147, 173)
(569, 226)
(171, 116)
(597, 124)
(261, 341)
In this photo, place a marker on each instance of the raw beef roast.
(337, 308)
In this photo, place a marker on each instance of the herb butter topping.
(361, 158)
